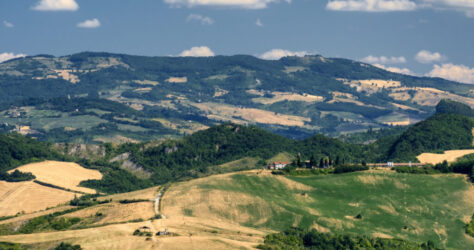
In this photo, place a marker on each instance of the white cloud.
(201, 51)
(371, 5)
(466, 6)
(425, 56)
(8, 24)
(384, 60)
(276, 54)
(8, 56)
(89, 24)
(404, 71)
(204, 20)
(459, 73)
(56, 5)
(247, 4)
(259, 23)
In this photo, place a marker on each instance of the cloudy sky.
(422, 37)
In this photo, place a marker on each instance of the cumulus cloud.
(259, 23)
(426, 57)
(8, 24)
(459, 73)
(404, 71)
(56, 5)
(276, 54)
(89, 24)
(204, 20)
(201, 51)
(371, 5)
(247, 4)
(384, 60)
(7, 56)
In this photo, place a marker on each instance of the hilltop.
(103, 97)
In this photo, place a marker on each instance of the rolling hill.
(236, 210)
(102, 97)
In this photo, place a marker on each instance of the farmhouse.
(278, 165)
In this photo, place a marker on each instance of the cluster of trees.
(295, 238)
(437, 133)
(50, 221)
(16, 176)
(16, 150)
(447, 106)
(464, 165)
(67, 246)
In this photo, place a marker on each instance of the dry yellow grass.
(148, 193)
(28, 197)
(222, 112)
(284, 96)
(427, 96)
(371, 86)
(68, 76)
(372, 179)
(449, 156)
(119, 236)
(63, 174)
(142, 90)
(27, 216)
(177, 79)
(146, 82)
(116, 212)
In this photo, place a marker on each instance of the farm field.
(62, 174)
(236, 210)
(16, 197)
(412, 207)
(449, 156)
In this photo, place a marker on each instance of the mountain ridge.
(294, 96)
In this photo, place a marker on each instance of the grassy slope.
(428, 207)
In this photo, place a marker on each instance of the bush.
(348, 168)
(296, 238)
(470, 227)
(67, 246)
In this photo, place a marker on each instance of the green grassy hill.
(417, 208)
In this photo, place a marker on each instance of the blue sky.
(422, 37)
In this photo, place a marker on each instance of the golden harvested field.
(115, 212)
(285, 96)
(450, 156)
(119, 236)
(149, 193)
(228, 112)
(427, 96)
(28, 197)
(62, 174)
(23, 217)
(177, 79)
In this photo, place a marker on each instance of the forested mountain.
(118, 98)
(437, 133)
(447, 106)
